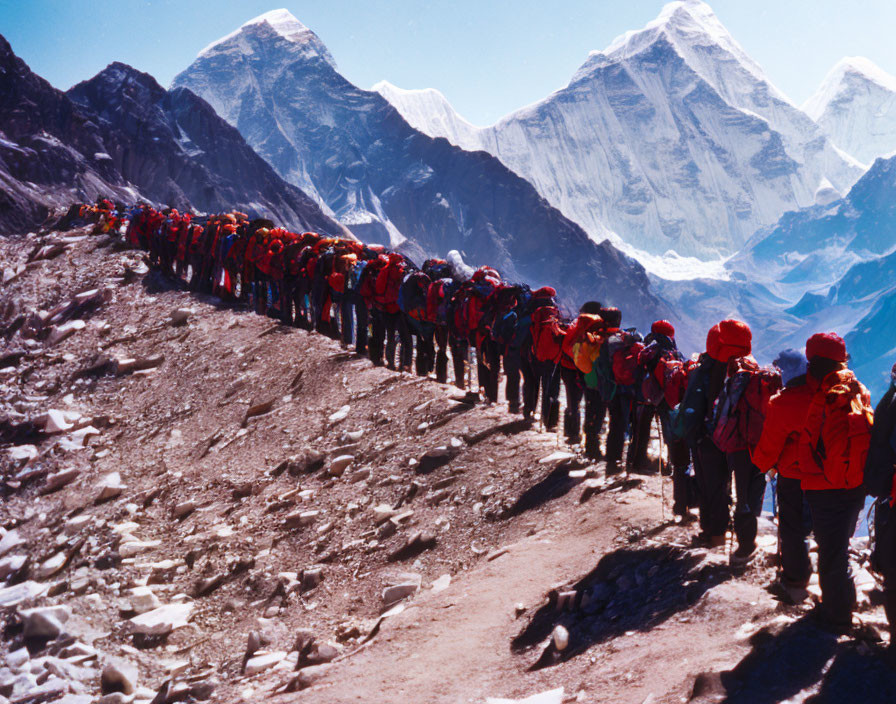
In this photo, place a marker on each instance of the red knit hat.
(828, 345)
(729, 339)
(544, 292)
(663, 327)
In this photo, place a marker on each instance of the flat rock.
(556, 457)
(552, 696)
(11, 564)
(183, 509)
(395, 593)
(144, 599)
(340, 415)
(51, 566)
(441, 584)
(74, 525)
(60, 479)
(263, 661)
(135, 547)
(56, 422)
(162, 620)
(11, 541)
(338, 465)
(16, 594)
(110, 486)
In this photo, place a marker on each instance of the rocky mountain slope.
(672, 138)
(199, 503)
(855, 106)
(51, 151)
(176, 150)
(122, 136)
(390, 183)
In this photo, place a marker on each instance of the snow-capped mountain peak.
(855, 106)
(849, 68)
(282, 23)
(430, 112)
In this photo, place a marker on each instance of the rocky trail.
(199, 504)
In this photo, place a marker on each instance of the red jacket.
(835, 439)
(784, 421)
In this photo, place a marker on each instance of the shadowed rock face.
(51, 151)
(176, 150)
(388, 182)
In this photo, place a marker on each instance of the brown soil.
(507, 528)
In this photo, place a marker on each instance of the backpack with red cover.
(437, 297)
(624, 348)
(676, 374)
(742, 405)
(838, 429)
(547, 334)
(388, 283)
(652, 361)
(412, 295)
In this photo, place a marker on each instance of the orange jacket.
(784, 421)
(835, 439)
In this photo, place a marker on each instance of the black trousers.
(512, 370)
(618, 408)
(377, 336)
(488, 368)
(794, 526)
(574, 384)
(835, 513)
(531, 382)
(459, 350)
(749, 487)
(713, 484)
(595, 410)
(549, 374)
(884, 560)
(441, 339)
(636, 459)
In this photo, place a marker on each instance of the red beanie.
(828, 345)
(729, 339)
(663, 327)
(544, 292)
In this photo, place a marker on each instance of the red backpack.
(624, 350)
(742, 405)
(547, 334)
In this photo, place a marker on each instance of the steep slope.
(855, 106)
(51, 152)
(270, 560)
(274, 80)
(672, 137)
(176, 150)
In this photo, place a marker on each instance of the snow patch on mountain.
(286, 26)
(855, 105)
(673, 138)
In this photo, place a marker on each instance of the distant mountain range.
(275, 81)
(670, 143)
(671, 138)
(123, 136)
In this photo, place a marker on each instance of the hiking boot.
(740, 558)
(787, 594)
(716, 541)
(822, 621)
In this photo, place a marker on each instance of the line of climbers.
(720, 416)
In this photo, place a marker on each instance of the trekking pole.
(659, 431)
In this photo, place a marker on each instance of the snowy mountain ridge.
(672, 138)
(855, 105)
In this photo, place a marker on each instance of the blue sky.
(488, 57)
